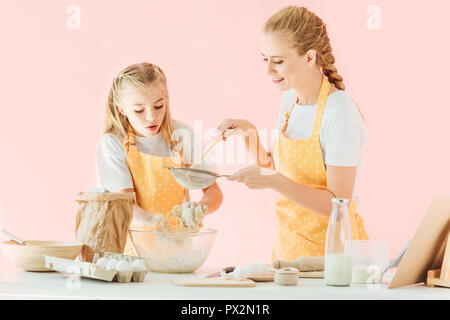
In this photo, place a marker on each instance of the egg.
(102, 262)
(111, 264)
(139, 265)
(123, 266)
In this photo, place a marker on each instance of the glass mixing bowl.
(173, 252)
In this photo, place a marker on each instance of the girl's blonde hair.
(305, 31)
(134, 76)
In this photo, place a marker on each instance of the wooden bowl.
(29, 257)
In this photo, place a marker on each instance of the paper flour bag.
(102, 222)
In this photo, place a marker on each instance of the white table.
(17, 284)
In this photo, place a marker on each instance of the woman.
(321, 134)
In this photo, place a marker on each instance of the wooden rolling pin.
(302, 264)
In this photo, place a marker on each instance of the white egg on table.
(102, 262)
(139, 265)
(111, 264)
(123, 266)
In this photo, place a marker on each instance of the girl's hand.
(230, 127)
(255, 177)
(194, 204)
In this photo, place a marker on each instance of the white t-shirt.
(113, 173)
(342, 131)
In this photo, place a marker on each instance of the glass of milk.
(338, 246)
(370, 258)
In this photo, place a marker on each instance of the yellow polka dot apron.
(156, 189)
(301, 232)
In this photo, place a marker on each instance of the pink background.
(55, 81)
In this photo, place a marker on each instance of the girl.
(139, 137)
(321, 133)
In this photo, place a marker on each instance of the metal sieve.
(191, 178)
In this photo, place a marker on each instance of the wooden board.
(445, 269)
(267, 278)
(426, 249)
(212, 282)
(431, 282)
(434, 279)
(310, 274)
(301, 274)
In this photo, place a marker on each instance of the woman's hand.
(253, 145)
(230, 127)
(256, 177)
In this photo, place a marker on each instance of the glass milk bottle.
(338, 256)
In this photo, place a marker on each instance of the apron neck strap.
(323, 95)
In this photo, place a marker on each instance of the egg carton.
(127, 276)
(94, 271)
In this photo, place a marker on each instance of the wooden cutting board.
(301, 274)
(310, 274)
(212, 282)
